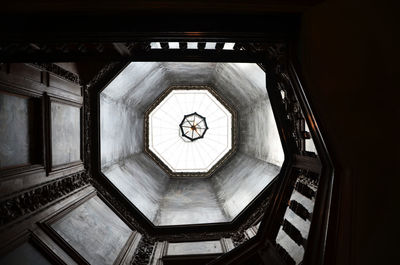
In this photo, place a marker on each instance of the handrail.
(316, 246)
(299, 163)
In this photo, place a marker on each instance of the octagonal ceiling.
(181, 201)
(175, 132)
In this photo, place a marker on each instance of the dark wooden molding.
(125, 254)
(143, 252)
(199, 259)
(36, 163)
(307, 163)
(235, 229)
(299, 209)
(37, 242)
(317, 238)
(58, 71)
(32, 80)
(60, 241)
(28, 202)
(291, 110)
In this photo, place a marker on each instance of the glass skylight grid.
(191, 108)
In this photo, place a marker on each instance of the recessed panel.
(17, 114)
(25, 254)
(65, 133)
(94, 231)
(193, 248)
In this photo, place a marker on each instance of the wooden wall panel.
(24, 254)
(28, 95)
(65, 85)
(94, 231)
(14, 117)
(21, 140)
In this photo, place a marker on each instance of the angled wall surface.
(166, 201)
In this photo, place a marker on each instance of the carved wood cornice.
(143, 252)
(25, 203)
(58, 71)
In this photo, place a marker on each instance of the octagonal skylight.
(226, 190)
(189, 130)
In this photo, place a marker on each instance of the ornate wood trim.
(46, 226)
(38, 165)
(143, 252)
(38, 243)
(28, 202)
(58, 71)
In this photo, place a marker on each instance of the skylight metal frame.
(200, 135)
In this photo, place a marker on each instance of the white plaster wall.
(244, 84)
(240, 181)
(141, 181)
(132, 77)
(121, 131)
(190, 201)
(187, 73)
(259, 135)
(241, 83)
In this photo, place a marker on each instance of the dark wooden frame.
(160, 254)
(124, 255)
(37, 242)
(35, 81)
(30, 168)
(263, 242)
(317, 238)
(275, 29)
(185, 259)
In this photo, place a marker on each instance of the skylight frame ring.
(234, 133)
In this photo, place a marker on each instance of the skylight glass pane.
(155, 45)
(192, 45)
(229, 45)
(190, 130)
(210, 45)
(173, 45)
